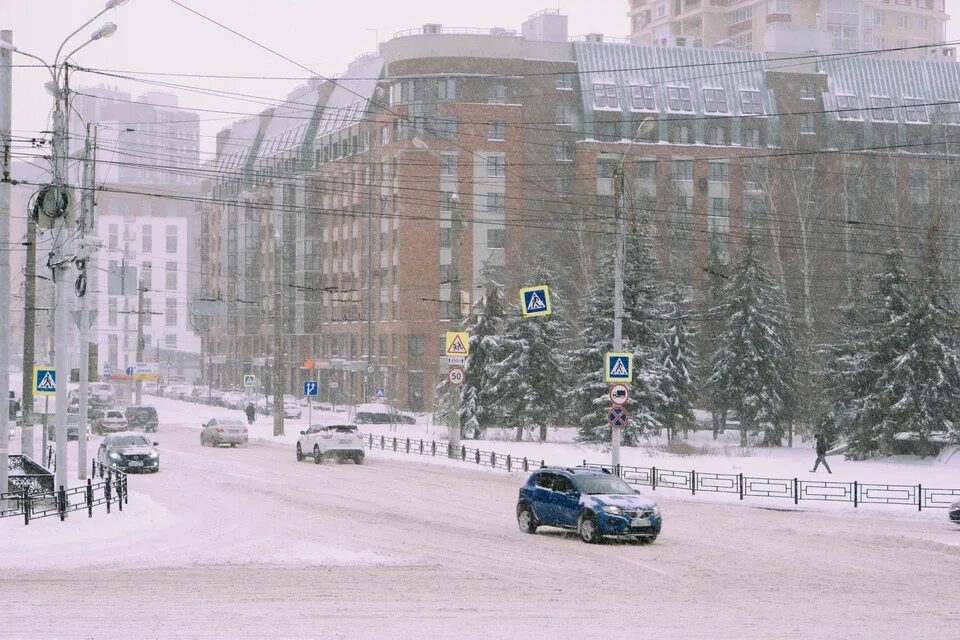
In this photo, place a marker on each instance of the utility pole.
(6, 108)
(370, 182)
(87, 222)
(277, 332)
(618, 295)
(453, 431)
(29, 337)
(138, 383)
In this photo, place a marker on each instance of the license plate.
(345, 441)
(134, 463)
(640, 522)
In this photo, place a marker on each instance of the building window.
(171, 282)
(681, 134)
(448, 165)
(171, 238)
(948, 112)
(415, 345)
(113, 236)
(751, 137)
(446, 89)
(563, 187)
(146, 238)
(901, 21)
(646, 170)
(112, 349)
(147, 312)
(444, 237)
(112, 312)
(564, 151)
(683, 205)
(780, 6)
(564, 81)
(680, 99)
(808, 91)
(808, 124)
(606, 167)
(496, 238)
(170, 341)
(146, 273)
(848, 107)
(682, 170)
(498, 94)
(916, 110)
(496, 203)
(719, 207)
(882, 109)
(496, 166)
(497, 130)
(445, 274)
(715, 100)
(171, 312)
(447, 200)
(642, 98)
(716, 135)
(446, 128)
(750, 103)
(718, 172)
(605, 96)
(919, 186)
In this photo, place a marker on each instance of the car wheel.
(646, 539)
(587, 527)
(341, 459)
(526, 520)
(203, 442)
(358, 458)
(233, 444)
(299, 453)
(317, 458)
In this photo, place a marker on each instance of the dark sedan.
(955, 512)
(129, 452)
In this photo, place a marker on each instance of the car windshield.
(603, 485)
(130, 441)
(229, 423)
(343, 429)
(114, 414)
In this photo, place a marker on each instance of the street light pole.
(6, 108)
(453, 435)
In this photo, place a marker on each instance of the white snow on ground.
(247, 543)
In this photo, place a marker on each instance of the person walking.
(251, 412)
(822, 447)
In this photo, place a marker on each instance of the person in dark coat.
(14, 406)
(822, 446)
(251, 412)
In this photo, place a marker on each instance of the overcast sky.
(324, 35)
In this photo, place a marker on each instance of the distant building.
(794, 26)
(340, 201)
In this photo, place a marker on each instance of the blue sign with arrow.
(311, 388)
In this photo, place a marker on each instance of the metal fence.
(110, 489)
(744, 486)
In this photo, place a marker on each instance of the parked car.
(955, 512)
(150, 388)
(591, 502)
(129, 452)
(224, 431)
(292, 408)
(142, 417)
(112, 421)
(379, 413)
(340, 441)
(215, 397)
(73, 426)
(100, 394)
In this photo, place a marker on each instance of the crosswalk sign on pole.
(249, 380)
(44, 380)
(535, 301)
(458, 344)
(618, 367)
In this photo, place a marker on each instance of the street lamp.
(60, 258)
(645, 125)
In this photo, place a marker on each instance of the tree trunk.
(519, 436)
(715, 420)
(543, 433)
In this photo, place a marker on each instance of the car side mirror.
(303, 433)
(156, 444)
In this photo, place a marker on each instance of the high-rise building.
(906, 28)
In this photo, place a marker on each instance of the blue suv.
(592, 502)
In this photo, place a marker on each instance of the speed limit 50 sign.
(455, 376)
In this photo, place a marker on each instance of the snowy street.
(246, 543)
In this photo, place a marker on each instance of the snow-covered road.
(247, 543)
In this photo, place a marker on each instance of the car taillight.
(219, 429)
(245, 430)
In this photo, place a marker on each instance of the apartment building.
(906, 27)
(335, 212)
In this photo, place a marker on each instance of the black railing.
(794, 489)
(110, 488)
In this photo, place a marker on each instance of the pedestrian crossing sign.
(457, 344)
(535, 301)
(44, 380)
(618, 367)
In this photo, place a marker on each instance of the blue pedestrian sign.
(618, 367)
(129, 371)
(379, 394)
(535, 301)
(311, 388)
(107, 371)
(44, 380)
(618, 416)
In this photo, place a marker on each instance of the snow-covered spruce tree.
(919, 392)
(680, 364)
(751, 363)
(872, 426)
(642, 331)
(478, 406)
(710, 328)
(531, 371)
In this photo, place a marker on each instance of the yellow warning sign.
(458, 344)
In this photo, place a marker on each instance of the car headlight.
(153, 454)
(614, 510)
(656, 510)
(114, 454)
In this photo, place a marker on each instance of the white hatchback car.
(340, 441)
